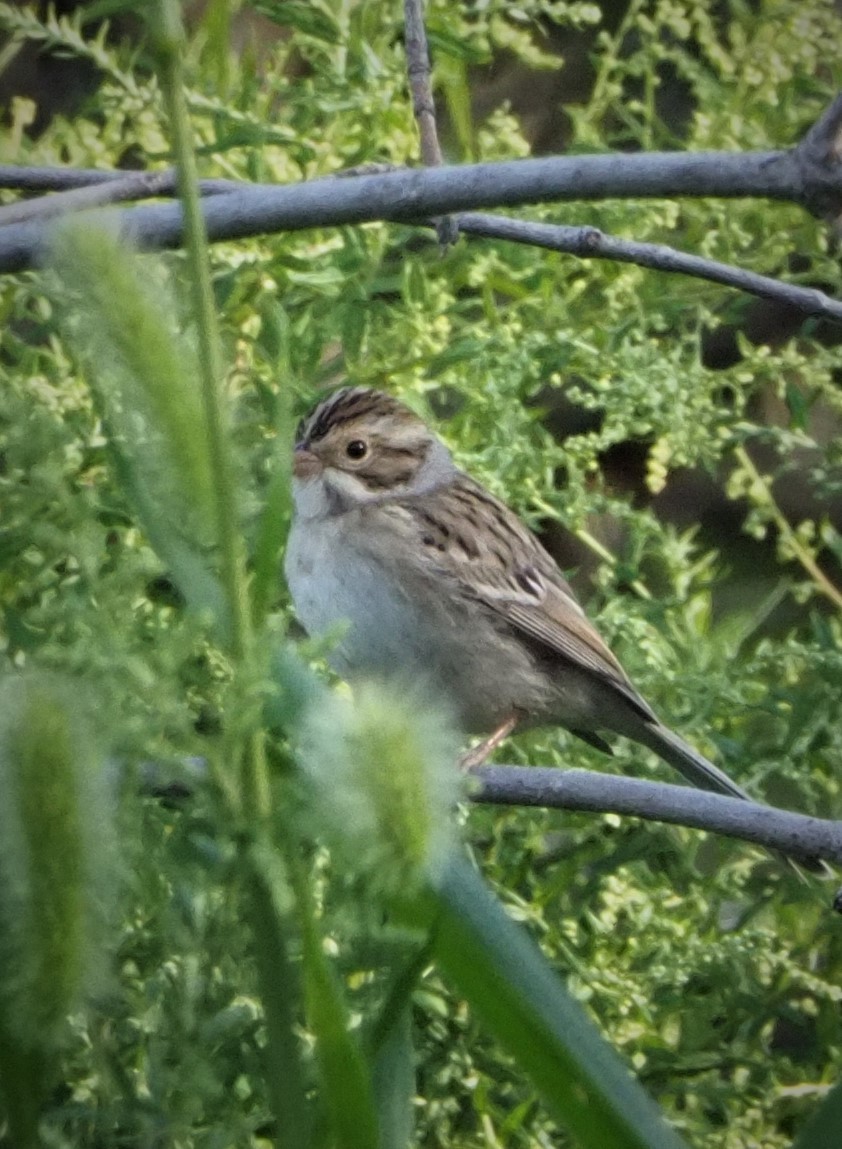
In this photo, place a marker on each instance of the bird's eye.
(356, 449)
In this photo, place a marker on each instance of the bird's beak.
(305, 465)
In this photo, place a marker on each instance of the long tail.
(703, 774)
(687, 761)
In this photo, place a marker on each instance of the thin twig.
(591, 243)
(47, 179)
(423, 103)
(132, 186)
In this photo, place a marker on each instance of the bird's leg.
(478, 754)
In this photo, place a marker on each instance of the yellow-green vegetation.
(676, 443)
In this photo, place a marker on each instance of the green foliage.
(714, 974)
(55, 866)
(55, 840)
(383, 770)
(143, 379)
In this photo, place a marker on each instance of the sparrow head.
(361, 446)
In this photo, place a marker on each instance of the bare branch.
(412, 196)
(585, 242)
(133, 186)
(818, 157)
(555, 788)
(591, 243)
(545, 786)
(409, 196)
(423, 104)
(44, 179)
(810, 174)
(418, 71)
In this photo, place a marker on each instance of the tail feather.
(704, 775)
(687, 761)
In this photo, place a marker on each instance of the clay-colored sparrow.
(441, 583)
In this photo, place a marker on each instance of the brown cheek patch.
(387, 477)
(389, 467)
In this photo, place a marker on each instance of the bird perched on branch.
(442, 584)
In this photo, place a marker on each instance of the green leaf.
(269, 908)
(313, 17)
(799, 409)
(824, 1127)
(145, 382)
(394, 1082)
(274, 519)
(452, 76)
(393, 1057)
(509, 984)
(347, 1088)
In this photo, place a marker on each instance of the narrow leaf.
(144, 378)
(509, 984)
(274, 521)
(347, 1086)
(269, 906)
(824, 1129)
(394, 1081)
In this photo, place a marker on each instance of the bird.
(442, 586)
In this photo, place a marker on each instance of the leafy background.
(625, 414)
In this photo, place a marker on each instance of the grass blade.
(824, 1129)
(511, 987)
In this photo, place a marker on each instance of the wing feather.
(481, 546)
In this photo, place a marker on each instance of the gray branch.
(552, 787)
(545, 786)
(84, 189)
(45, 179)
(133, 186)
(809, 174)
(591, 243)
(423, 105)
(418, 195)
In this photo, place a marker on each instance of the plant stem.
(279, 990)
(764, 492)
(23, 1074)
(169, 38)
(607, 556)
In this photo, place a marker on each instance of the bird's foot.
(478, 754)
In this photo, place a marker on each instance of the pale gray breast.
(404, 626)
(334, 577)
